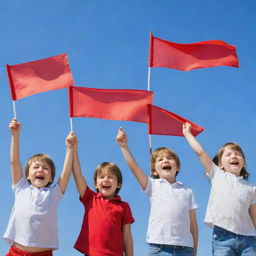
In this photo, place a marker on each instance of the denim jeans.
(226, 243)
(170, 250)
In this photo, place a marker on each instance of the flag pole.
(14, 109)
(71, 124)
(149, 73)
(149, 136)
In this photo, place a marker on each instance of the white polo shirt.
(169, 221)
(229, 201)
(33, 220)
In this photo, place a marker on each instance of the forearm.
(78, 176)
(15, 159)
(66, 171)
(139, 174)
(127, 240)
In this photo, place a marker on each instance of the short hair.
(234, 146)
(157, 153)
(112, 167)
(41, 157)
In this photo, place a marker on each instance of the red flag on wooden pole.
(113, 104)
(186, 57)
(163, 122)
(39, 76)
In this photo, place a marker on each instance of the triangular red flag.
(163, 122)
(39, 76)
(186, 57)
(113, 104)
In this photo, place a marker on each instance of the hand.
(186, 128)
(121, 138)
(71, 140)
(14, 126)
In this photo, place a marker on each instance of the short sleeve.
(212, 173)
(253, 200)
(20, 184)
(127, 218)
(148, 189)
(88, 195)
(193, 203)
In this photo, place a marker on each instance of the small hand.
(186, 128)
(14, 126)
(71, 140)
(121, 138)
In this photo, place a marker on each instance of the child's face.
(166, 167)
(39, 174)
(107, 184)
(232, 161)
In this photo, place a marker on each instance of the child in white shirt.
(32, 227)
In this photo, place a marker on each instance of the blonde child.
(106, 228)
(172, 228)
(231, 210)
(32, 227)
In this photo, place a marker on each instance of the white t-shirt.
(33, 220)
(169, 221)
(229, 201)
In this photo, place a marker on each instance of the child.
(231, 208)
(172, 228)
(32, 227)
(106, 228)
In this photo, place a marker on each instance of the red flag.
(163, 122)
(39, 76)
(186, 57)
(113, 104)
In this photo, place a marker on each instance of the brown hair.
(233, 146)
(112, 167)
(156, 154)
(41, 157)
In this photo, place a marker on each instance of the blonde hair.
(156, 154)
(233, 146)
(113, 168)
(41, 157)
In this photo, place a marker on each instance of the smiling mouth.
(106, 187)
(167, 168)
(39, 178)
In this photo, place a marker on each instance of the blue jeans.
(170, 250)
(226, 243)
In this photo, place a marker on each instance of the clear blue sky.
(107, 45)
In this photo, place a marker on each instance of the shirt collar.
(115, 198)
(176, 183)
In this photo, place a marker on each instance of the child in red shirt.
(106, 228)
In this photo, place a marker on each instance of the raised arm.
(78, 176)
(67, 166)
(123, 143)
(16, 167)
(204, 158)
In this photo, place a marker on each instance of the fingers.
(14, 124)
(71, 139)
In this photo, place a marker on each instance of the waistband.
(14, 251)
(162, 246)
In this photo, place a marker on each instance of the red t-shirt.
(102, 228)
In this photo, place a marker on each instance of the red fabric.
(101, 232)
(186, 57)
(39, 76)
(127, 105)
(18, 252)
(163, 122)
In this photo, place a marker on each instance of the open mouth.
(106, 187)
(167, 168)
(39, 178)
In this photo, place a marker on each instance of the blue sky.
(107, 45)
